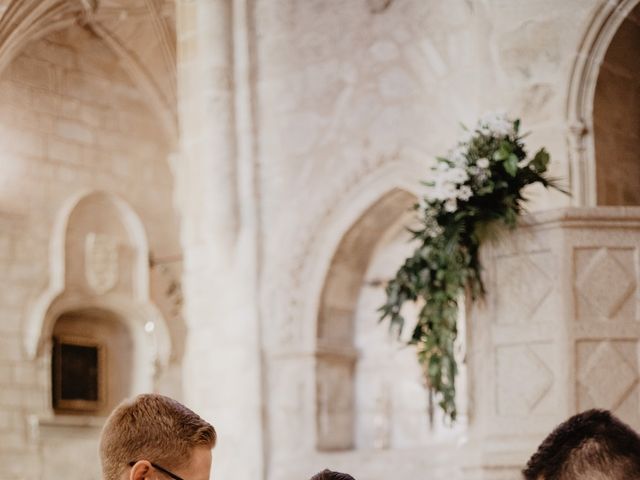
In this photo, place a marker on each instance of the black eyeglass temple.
(163, 470)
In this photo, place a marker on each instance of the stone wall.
(557, 332)
(296, 118)
(354, 101)
(71, 123)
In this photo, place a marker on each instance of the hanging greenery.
(478, 187)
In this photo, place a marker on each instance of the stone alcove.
(616, 117)
(602, 108)
(369, 388)
(109, 335)
(99, 296)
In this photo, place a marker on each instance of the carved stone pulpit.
(557, 333)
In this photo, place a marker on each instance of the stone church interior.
(207, 198)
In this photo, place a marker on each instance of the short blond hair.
(155, 428)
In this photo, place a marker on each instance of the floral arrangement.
(476, 188)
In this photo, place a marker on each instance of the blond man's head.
(152, 434)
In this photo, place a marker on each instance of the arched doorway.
(616, 117)
(602, 108)
(369, 388)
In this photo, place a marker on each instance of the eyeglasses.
(163, 470)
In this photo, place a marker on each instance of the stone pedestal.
(557, 333)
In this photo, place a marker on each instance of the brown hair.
(155, 428)
(329, 475)
(592, 444)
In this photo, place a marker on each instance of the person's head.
(156, 437)
(593, 445)
(329, 475)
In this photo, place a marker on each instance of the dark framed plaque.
(78, 374)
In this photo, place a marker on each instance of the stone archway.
(605, 38)
(336, 354)
(369, 389)
(616, 117)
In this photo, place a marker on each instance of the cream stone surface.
(573, 347)
(217, 189)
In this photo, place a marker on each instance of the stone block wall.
(71, 122)
(557, 332)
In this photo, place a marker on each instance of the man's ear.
(140, 471)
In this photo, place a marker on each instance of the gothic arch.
(291, 352)
(339, 218)
(335, 349)
(604, 24)
(25, 21)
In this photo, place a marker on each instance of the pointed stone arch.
(604, 25)
(335, 351)
(25, 21)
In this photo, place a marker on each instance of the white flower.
(465, 193)
(456, 175)
(432, 228)
(496, 124)
(467, 136)
(442, 190)
(459, 156)
(451, 205)
(483, 163)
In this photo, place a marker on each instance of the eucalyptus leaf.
(446, 262)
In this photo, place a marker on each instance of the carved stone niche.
(88, 391)
(96, 309)
(100, 255)
(559, 330)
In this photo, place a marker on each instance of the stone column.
(558, 332)
(222, 360)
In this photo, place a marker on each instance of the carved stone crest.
(101, 262)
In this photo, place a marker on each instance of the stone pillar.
(222, 376)
(558, 332)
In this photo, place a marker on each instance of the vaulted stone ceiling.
(147, 29)
(140, 32)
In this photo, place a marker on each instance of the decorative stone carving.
(560, 325)
(604, 282)
(607, 374)
(524, 379)
(101, 262)
(519, 301)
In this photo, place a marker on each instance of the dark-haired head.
(329, 475)
(591, 445)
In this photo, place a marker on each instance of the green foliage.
(477, 187)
